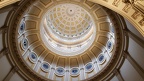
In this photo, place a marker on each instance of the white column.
(66, 75)
(67, 72)
(96, 66)
(52, 70)
(51, 75)
(36, 68)
(81, 67)
(82, 77)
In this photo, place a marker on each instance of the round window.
(33, 57)
(60, 71)
(89, 67)
(74, 71)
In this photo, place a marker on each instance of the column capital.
(67, 70)
(81, 68)
(53, 68)
(39, 61)
(95, 62)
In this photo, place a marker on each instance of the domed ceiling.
(68, 29)
(68, 20)
(65, 40)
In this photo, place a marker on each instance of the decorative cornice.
(133, 10)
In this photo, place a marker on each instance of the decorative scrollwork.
(136, 4)
(116, 3)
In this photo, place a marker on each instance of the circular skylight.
(68, 29)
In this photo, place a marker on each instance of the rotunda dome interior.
(70, 40)
(71, 37)
(68, 29)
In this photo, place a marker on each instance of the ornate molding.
(133, 10)
(136, 4)
(4, 3)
